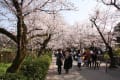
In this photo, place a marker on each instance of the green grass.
(3, 67)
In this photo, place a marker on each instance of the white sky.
(85, 8)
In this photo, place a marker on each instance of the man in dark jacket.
(59, 61)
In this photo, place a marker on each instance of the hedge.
(31, 69)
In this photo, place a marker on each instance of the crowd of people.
(85, 57)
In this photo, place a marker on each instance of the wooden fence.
(6, 57)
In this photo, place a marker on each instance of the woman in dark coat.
(68, 61)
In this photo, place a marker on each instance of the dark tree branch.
(44, 44)
(29, 3)
(21, 2)
(38, 43)
(113, 3)
(44, 4)
(11, 36)
(47, 10)
(93, 21)
(9, 7)
(117, 6)
(33, 30)
(18, 8)
(37, 35)
(36, 8)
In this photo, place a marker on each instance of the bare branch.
(10, 35)
(44, 3)
(36, 8)
(18, 8)
(3, 15)
(113, 3)
(117, 6)
(38, 43)
(37, 35)
(93, 21)
(28, 3)
(9, 7)
(106, 2)
(47, 10)
(33, 30)
(22, 2)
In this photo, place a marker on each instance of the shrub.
(117, 52)
(36, 69)
(106, 56)
(9, 76)
(12, 76)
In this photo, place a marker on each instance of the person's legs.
(79, 66)
(98, 64)
(89, 63)
(95, 64)
(67, 71)
(59, 69)
(85, 63)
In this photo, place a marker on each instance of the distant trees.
(6, 42)
(82, 34)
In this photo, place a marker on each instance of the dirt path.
(84, 74)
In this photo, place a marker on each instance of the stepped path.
(83, 74)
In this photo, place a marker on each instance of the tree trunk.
(110, 52)
(44, 45)
(112, 59)
(17, 62)
(40, 52)
(21, 46)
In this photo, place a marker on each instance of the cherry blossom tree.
(20, 10)
(98, 20)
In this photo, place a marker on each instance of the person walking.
(79, 60)
(87, 57)
(68, 61)
(59, 62)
